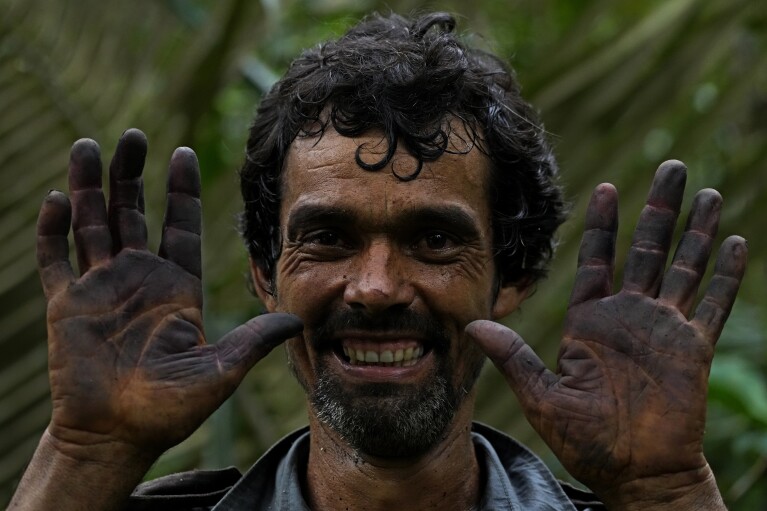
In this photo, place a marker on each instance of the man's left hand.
(625, 411)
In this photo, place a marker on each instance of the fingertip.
(85, 152)
(602, 210)
(673, 166)
(289, 323)
(604, 194)
(84, 165)
(493, 338)
(133, 134)
(130, 153)
(184, 152)
(671, 172)
(184, 175)
(85, 147)
(737, 246)
(276, 327)
(736, 239)
(184, 156)
(479, 327)
(708, 196)
(55, 214)
(605, 188)
(54, 195)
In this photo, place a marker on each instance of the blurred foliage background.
(621, 87)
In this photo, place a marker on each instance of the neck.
(447, 477)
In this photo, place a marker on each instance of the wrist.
(693, 490)
(91, 449)
(64, 475)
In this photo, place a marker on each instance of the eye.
(436, 246)
(324, 238)
(436, 241)
(326, 244)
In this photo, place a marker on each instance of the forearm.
(694, 491)
(75, 478)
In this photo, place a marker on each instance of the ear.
(508, 299)
(262, 284)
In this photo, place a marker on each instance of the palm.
(628, 400)
(134, 322)
(630, 347)
(128, 358)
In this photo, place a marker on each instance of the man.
(398, 194)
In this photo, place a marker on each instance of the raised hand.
(625, 411)
(129, 366)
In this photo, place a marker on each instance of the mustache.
(398, 320)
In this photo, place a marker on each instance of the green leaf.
(737, 384)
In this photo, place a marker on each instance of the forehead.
(323, 171)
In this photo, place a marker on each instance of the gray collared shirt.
(521, 482)
(515, 479)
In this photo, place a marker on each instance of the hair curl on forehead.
(412, 80)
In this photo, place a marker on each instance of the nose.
(378, 280)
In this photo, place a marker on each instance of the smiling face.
(385, 275)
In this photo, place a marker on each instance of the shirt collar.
(515, 479)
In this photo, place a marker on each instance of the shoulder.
(201, 490)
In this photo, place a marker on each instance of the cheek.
(460, 296)
(309, 290)
(301, 362)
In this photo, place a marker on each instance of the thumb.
(524, 371)
(239, 350)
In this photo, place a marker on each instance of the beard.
(390, 420)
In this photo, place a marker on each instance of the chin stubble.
(391, 420)
(386, 419)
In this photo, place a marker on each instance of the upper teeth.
(396, 358)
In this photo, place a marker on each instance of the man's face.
(385, 275)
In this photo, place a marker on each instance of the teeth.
(388, 358)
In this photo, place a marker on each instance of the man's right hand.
(131, 374)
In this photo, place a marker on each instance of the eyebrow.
(453, 218)
(309, 214)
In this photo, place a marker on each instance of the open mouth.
(381, 354)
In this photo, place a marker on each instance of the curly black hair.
(412, 80)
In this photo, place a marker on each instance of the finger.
(596, 258)
(183, 215)
(525, 373)
(239, 350)
(680, 284)
(93, 242)
(126, 202)
(52, 245)
(716, 304)
(652, 236)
